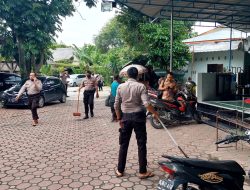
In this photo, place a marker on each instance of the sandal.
(146, 175)
(118, 174)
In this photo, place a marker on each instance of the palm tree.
(83, 56)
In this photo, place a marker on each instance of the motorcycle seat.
(217, 165)
(174, 102)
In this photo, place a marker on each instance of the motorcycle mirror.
(247, 132)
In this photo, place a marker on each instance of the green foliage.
(153, 39)
(85, 54)
(55, 46)
(78, 70)
(65, 61)
(109, 37)
(46, 70)
(156, 37)
(130, 20)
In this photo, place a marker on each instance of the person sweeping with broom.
(90, 88)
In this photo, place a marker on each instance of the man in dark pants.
(114, 87)
(63, 76)
(90, 87)
(133, 98)
(33, 86)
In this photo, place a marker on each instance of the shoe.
(34, 123)
(86, 117)
(118, 174)
(67, 96)
(146, 175)
(92, 114)
(113, 120)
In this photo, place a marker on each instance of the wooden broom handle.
(78, 101)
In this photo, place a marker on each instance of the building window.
(195, 59)
(218, 57)
(207, 58)
(212, 58)
(225, 57)
(201, 59)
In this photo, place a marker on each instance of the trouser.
(113, 110)
(112, 102)
(66, 88)
(33, 103)
(88, 100)
(136, 121)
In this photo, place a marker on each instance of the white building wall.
(201, 60)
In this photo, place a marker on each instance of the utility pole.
(171, 39)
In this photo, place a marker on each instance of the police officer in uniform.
(33, 87)
(133, 98)
(90, 88)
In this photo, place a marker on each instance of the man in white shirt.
(33, 87)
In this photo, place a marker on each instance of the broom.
(77, 113)
(172, 138)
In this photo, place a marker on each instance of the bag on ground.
(107, 101)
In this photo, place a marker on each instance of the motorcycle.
(183, 109)
(196, 174)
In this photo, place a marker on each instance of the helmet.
(190, 86)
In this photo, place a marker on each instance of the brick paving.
(66, 152)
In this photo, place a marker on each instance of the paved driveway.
(66, 152)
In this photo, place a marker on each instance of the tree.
(118, 42)
(156, 37)
(130, 21)
(109, 36)
(29, 27)
(153, 39)
(84, 55)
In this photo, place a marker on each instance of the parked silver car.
(75, 79)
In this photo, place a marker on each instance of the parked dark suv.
(8, 80)
(53, 90)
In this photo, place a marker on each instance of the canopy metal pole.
(171, 39)
(230, 49)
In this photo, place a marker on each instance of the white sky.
(81, 28)
(201, 27)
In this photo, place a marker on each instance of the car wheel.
(74, 84)
(63, 98)
(41, 102)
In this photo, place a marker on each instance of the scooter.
(196, 174)
(181, 110)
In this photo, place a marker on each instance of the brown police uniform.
(33, 92)
(133, 98)
(89, 85)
